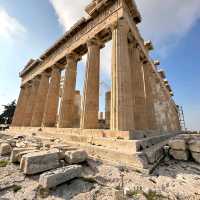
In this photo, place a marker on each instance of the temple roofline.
(78, 26)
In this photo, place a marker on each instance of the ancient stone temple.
(139, 106)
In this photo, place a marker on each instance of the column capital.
(73, 56)
(94, 42)
(113, 26)
(120, 24)
(55, 68)
(44, 73)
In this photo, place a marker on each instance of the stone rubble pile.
(185, 147)
(37, 156)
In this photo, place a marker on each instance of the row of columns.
(38, 101)
(132, 96)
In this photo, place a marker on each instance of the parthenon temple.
(138, 106)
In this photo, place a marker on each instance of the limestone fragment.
(77, 156)
(37, 162)
(16, 151)
(179, 155)
(19, 155)
(196, 156)
(12, 142)
(178, 144)
(58, 176)
(194, 146)
(5, 149)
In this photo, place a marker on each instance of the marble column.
(138, 87)
(151, 117)
(21, 105)
(66, 113)
(40, 101)
(52, 100)
(107, 109)
(31, 102)
(90, 103)
(121, 91)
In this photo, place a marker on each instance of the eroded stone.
(194, 146)
(196, 156)
(5, 149)
(56, 177)
(178, 144)
(77, 156)
(37, 162)
(179, 155)
(16, 151)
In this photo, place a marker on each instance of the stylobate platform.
(139, 150)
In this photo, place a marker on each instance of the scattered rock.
(5, 149)
(196, 156)
(179, 155)
(74, 157)
(12, 142)
(194, 145)
(118, 195)
(20, 154)
(16, 151)
(21, 144)
(55, 177)
(178, 144)
(37, 162)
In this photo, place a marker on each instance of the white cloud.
(11, 29)
(68, 11)
(164, 22)
(167, 22)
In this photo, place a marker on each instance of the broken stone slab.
(62, 148)
(19, 137)
(179, 155)
(58, 176)
(34, 163)
(20, 154)
(196, 156)
(12, 142)
(21, 144)
(16, 151)
(178, 144)
(76, 156)
(194, 145)
(5, 149)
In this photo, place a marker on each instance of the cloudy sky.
(28, 27)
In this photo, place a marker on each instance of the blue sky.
(29, 27)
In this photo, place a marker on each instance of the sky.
(29, 27)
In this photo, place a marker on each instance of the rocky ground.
(170, 180)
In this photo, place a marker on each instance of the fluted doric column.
(31, 102)
(52, 99)
(66, 114)
(90, 103)
(107, 108)
(40, 101)
(151, 116)
(121, 91)
(138, 87)
(21, 105)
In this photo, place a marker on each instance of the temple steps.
(140, 154)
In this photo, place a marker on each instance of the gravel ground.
(171, 180)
